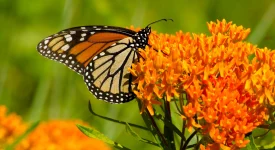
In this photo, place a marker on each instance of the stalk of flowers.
(221, 93)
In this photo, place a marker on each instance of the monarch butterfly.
(101, 54)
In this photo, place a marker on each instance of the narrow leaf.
(97, 135)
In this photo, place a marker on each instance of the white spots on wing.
(68, 37)
(102, 54)
(63, 56)
(72, 32)
(81, 39)
(83, 28)
(97, 29)
(48, 38)
(45, 47)
(95, 58)
(83, 34)
(92, 33)
(65, 47)
(46, 42)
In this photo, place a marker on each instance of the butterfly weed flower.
(11, 127)
(54, 134)
(60, 135)
(227, 94)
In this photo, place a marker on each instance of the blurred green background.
(40, 89)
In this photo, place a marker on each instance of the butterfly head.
(142, 37)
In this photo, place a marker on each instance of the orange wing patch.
(106, 37)
(96, 43)
(90, 52)
(80, 47)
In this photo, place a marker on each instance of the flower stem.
(160, 135)
(188, 140)
(168, 133)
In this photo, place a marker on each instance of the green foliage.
(251, 145)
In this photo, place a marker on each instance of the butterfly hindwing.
(107, 75)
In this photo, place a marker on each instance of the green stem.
(184, 147)
(152, 126)
(160, 135)
(168, 133)
(183, 121)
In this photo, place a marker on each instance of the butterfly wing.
(101, 54)
(107, 75)
(75, 47)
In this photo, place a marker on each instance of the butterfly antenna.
(159, 21)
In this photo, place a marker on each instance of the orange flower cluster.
(51, 135)
(60, 135)
(11, 126)
(227, 92)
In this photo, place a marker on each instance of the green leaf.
(97, 135)
(133, 133)
(20, 138)
(251, 145)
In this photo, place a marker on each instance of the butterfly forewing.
(75, 47)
